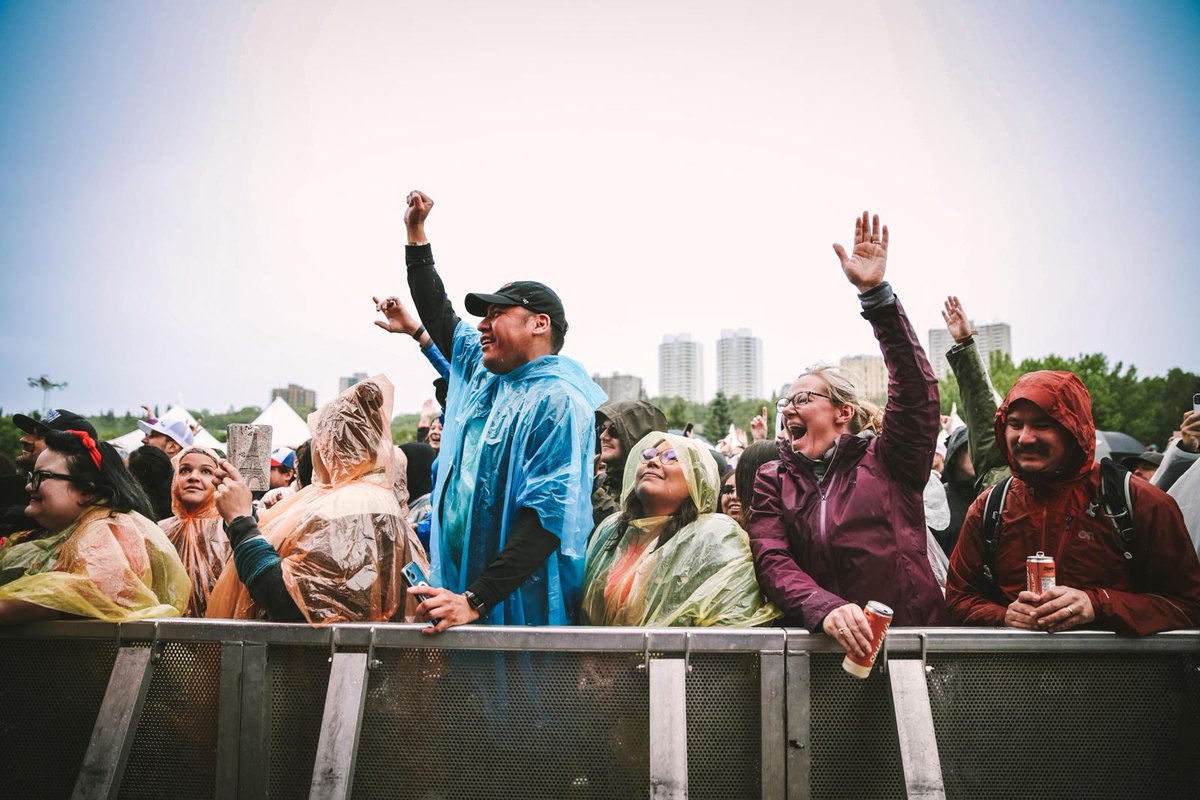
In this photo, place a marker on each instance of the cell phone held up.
(416, 577)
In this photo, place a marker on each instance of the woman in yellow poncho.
(94, 553)
(196, 530)
(667, 559)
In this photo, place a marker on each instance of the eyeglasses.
(35, 478)
(799, 399)
(606, 427)
(664, 456)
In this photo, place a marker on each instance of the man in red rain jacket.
(1045, 430)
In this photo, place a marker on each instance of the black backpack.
(1115, 503)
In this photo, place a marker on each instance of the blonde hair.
(842, 390)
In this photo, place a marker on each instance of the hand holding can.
(879, 617)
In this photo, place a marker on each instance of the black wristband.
(474, 601)
(417, 333)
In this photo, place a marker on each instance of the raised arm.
(978, 396)
(911, 419)
(428, 293)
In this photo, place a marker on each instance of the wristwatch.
(474, 602)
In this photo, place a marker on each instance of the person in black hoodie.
(958, 478)
(619, 426)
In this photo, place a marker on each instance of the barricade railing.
(197, 708)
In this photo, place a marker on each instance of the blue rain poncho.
(702, 576)
(521, 440)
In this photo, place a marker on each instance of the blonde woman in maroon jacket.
(1045, 430)
(839, 519)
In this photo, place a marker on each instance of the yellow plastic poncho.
(343, 539)
(106, 565)
(199, 537)
(702, 576)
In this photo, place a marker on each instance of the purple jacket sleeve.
(913, 414)
(782, 580)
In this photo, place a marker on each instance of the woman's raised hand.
(866, 266)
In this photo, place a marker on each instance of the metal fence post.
(773, 691)
(914, 729)
(799, 726)
(341, 724)
(229, 720)
(668, 729)
(112, 737)
(254, 721)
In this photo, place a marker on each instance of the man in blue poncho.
(512, 501)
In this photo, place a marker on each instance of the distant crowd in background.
(528, 498)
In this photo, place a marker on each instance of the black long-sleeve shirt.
(529, 544)
(267, 587)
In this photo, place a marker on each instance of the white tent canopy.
(287, 429)
(133, 440)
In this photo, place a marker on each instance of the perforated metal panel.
(50, 694)
(174, 749)
(297, 678)
(1088, 726)
(855, 753)
(723, 722)
(498, 725)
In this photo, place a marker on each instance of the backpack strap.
(993, 509)
(1118, 503)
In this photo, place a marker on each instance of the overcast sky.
(198, 200)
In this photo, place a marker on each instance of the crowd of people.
(529, 499)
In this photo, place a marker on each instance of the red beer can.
(879, 617)
(1039, 572)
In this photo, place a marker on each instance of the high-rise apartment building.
(869, 374)
(681, 368)
(346, 382)
(620, 387)
(296, 396)
(993, 338)
(739, 364)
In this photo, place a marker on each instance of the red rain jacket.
(1158, 590)
(859, 535)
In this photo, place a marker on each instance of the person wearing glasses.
(94, 553)
(668, 559)
(839, 519)
(619, 424)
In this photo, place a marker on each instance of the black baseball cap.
(57, 420)
(537, 297)
(1149, 457)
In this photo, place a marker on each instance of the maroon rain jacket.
(1157, 590)
(859, 534)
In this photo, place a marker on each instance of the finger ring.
(841, 631)
(1070, 611)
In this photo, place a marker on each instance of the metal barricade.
(206, 709)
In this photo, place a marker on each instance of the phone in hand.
(416, 576)
(1196, 402)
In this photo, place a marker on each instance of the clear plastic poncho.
(703, 576)
(343, 539)
(198, 536)
(525, 439)
(106, 565)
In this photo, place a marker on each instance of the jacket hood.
(1065, 400)
(955, 444)
(631, 419)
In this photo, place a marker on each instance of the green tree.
(719, 417)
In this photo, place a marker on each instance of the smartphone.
(416, 577)
(1196, 402)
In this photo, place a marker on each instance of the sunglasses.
(664, 456)
(606, 427)
(726, 490)
(35, 478)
